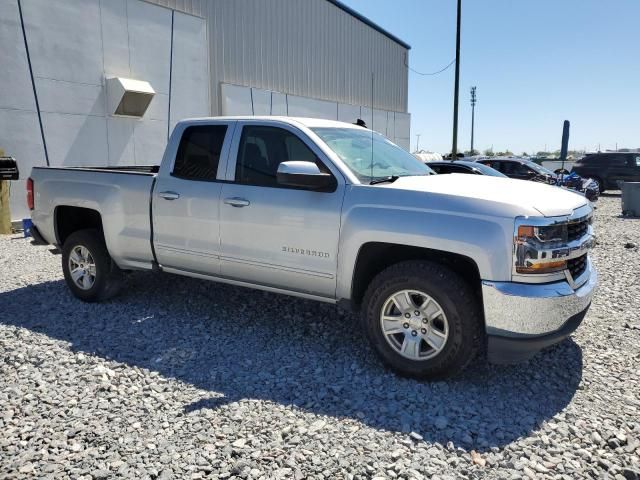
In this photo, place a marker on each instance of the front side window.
(637, 160)
(369, 155)
(199, 152)
(262, 149)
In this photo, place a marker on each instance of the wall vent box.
(127, 97)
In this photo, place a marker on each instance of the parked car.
(463, 166)
(439, 266)
(520, 168)
(609, 168)
(523, 169)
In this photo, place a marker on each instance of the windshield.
(353, 146)
(487, 170)
(538, 168)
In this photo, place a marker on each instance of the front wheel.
(89, 271)
(422, 319)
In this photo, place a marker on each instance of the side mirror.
(303, 175)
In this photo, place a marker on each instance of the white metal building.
(103, 82)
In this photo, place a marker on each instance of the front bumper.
(521, 319)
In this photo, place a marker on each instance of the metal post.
(473, 114)
(454, 147)
(418, 142)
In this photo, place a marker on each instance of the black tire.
(108, 277)
(456, 299)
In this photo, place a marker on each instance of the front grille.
(577, 229)
(577, 266)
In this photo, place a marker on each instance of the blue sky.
(535, 64)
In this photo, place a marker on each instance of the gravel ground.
(179, 378)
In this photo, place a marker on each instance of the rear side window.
(262, 149)
(199, 152)
(496, 165)
(637, 160)
(618, 160)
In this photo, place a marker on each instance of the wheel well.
(72, 219)
(374, 257)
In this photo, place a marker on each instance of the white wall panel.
(74, 140)
(379, 122)
(391, 125)
(236, 100)
(311, 107)
(192, 7)
(150, 138)
(149, 43)
(19, 128)
(366, 115)
(402, 130)
(20, 138)
(64, 39)
(278, 103)
(15, 82)
(348, 113)
(115, 38)
(261, 101)
(158, 108)
(190, 69)
(59, 96)
(120, 140)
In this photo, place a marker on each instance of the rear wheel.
(422, 319)
(89, 271)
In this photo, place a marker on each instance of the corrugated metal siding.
(310, 48)
(192, 7)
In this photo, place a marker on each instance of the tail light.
(30, 203)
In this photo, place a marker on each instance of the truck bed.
(120, 195)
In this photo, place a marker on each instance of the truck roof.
(307, 122)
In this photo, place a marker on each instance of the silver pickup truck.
(441, 267)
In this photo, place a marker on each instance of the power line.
(427, 74)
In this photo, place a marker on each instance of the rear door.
(621, 169)
(275, 235)
(186, 199)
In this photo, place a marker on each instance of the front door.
(186, 200)
(273, 235)
(624, 168)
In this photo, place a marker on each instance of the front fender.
(486, 240)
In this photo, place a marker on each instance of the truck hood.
(548, 200)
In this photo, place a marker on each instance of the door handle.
(169, 195)
(237, 202)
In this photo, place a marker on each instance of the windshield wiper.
(389, 179)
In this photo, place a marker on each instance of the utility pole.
(454, 147)
(417, 142)
(473, 114)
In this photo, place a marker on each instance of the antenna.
(371, 169)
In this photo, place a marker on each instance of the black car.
(609, 168)
(524, 169)
(520, 168)
(463, 166)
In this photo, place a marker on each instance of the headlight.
(532, 248)
(546, 234)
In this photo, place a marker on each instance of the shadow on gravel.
(241, 343)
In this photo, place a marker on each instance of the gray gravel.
(178, 378)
